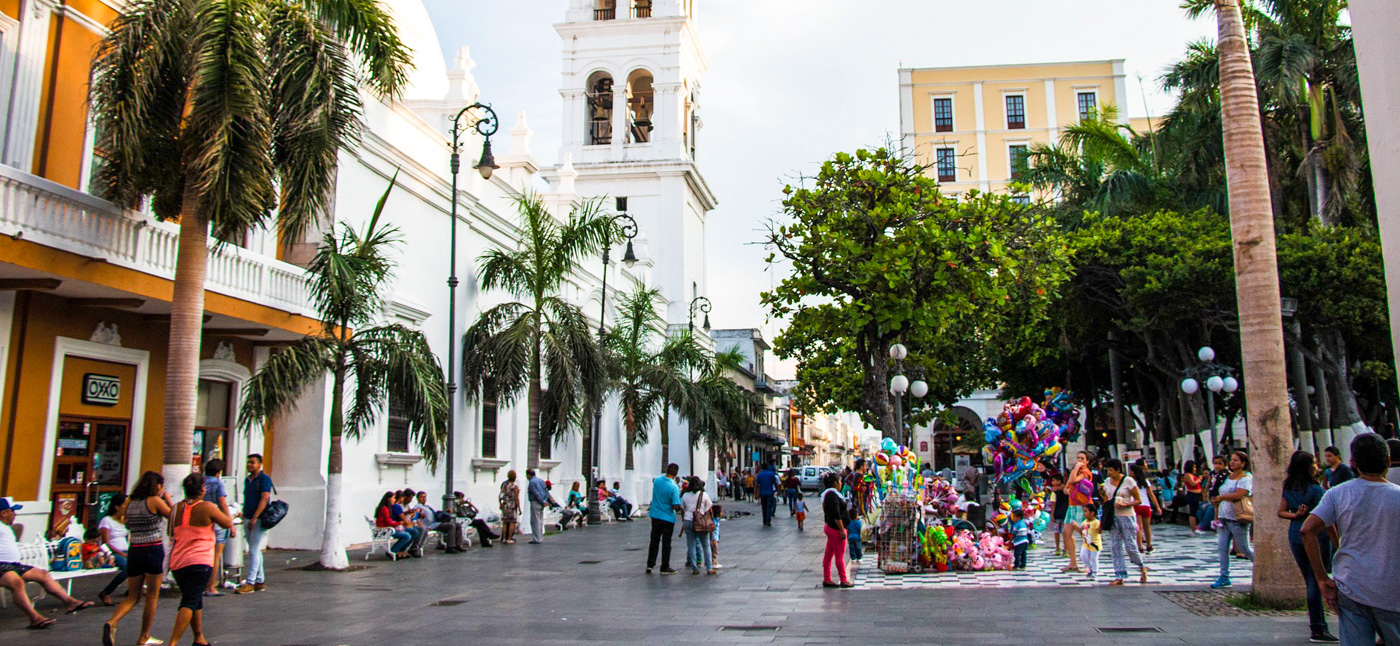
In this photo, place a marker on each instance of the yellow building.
(969, 125)
(85, 290)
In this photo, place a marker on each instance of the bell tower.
(631, 92)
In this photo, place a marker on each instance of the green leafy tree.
(878, 255)
(368, 365)
(727, 412)
(542, 339)
(222, 112)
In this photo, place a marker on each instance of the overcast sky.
(793, 81)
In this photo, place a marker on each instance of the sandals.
(47, 623)
(81, 607)
(1116, 582)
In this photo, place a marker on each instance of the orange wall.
(70, 401)
(10, 8)
(27, 393)
(62, 133)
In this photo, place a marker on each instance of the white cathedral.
(631, 92)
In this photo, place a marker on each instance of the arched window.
(600, 108)
(640, 105)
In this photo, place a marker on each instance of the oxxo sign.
(101, 390)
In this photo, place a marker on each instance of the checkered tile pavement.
(1179, 559)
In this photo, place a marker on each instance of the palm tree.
(521, 346)
(221, 111)
(1257, 286)
(647, 378)
(727, 411)
(369, 364)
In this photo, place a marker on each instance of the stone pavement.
(588, 586)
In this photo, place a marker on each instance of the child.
(1093, 542)
(94, 553)
(1058, 512)
(1021, 538)
(853, 539)
(801, 510)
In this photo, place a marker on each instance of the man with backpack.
(257, 492)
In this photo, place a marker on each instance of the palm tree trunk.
(630, 419)
(332, 545)
(182, 362)
(665, 427)
(532, 441)
(1257, 289)
(1344, 407)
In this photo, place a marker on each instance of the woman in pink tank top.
(192, 555)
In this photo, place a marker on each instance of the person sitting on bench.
(14, 575)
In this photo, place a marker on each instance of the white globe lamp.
(1190, 386)
(919, 388)
(1206, 353)
(1215, 384)
(1231, 385)
(898, 352)
(899, 384)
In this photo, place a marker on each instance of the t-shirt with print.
(1021, 532)
(1367, 564)
(1125, 490)
(1095, 538)
(1227, 508)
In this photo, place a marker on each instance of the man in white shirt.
(1364, 586)
(14, 574)
(427, 519)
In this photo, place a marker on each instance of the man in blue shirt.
(767, 483)
(665, 502)
(539, 498)
(257, 491)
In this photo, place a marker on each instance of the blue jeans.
(1020, 551)
(1316, 618)
(1360, 623)
(1240, 533)
(257, 542)
(697, 548)
(854, 548)
(790, 496)
(770, 507)
(119, 578)
(402, 540)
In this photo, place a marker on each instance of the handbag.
(273, 513)
(703, 522)
(1111, 505)
(1244, 510)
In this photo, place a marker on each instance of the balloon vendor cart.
(897, 539)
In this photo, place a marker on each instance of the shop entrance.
(89, 467)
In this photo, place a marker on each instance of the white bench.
(381, 539)
(38, 555)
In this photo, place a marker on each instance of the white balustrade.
(43, 212)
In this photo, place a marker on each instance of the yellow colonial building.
(969, 125)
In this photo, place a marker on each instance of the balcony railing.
(605, 14)
(641, 11)
(56, 216)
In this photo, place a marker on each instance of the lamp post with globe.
(900, 384)
(1217, 378)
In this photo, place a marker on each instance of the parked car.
(811, 477)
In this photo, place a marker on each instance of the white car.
(811, 477)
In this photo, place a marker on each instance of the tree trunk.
(875, 389)
(1257, 290)
(1345, 410)
(664, 426)
(1323, 435)
(1298, 375)
(333, 555)
(182, 362)
(630, 420)
(532, 440)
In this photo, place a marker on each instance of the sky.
(792, 82)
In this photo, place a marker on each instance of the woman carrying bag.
(1235, 511)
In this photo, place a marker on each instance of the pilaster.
(22, 114)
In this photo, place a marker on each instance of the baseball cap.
(9, 503)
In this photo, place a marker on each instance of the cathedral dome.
(428, 78)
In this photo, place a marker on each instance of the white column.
(981, 117)
(1051, 115)
(23, 112)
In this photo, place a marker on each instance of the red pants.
(835, 551)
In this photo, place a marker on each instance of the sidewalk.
(588, 586)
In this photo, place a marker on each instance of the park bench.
(38, 555)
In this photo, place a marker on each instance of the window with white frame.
(1017, 159)
(1016, 112)
(947, 163)
(943, 114)
(1088, 104)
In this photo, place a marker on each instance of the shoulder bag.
(1244, 509)
(1111, 505)
(273, 513)
(703, 522)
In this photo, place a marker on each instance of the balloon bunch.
(897, 466)
(939, 498)
(1032, 507)
(1059, 408)
(1022, 435)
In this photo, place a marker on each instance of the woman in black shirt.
(836, 514)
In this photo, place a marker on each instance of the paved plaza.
(588, 586)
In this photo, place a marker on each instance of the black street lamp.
(482, 118)
(628, 227)
(703, 304)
